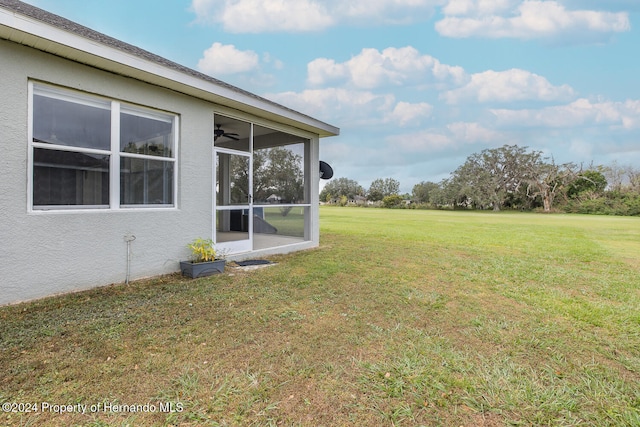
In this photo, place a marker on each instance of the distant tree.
(437, 197)
(514, 177)
(240, 175)
(588, 184)
(278, 171)
(375, 192)
(622, 178)
(381, 188)
(487, 178)
(449, 194)
(392, 201)
(634, 180)
(615, 175)
(339, 187)
(425, 192)
(548, 180)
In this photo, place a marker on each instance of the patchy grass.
(400, 318)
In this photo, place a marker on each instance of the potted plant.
(203, 260)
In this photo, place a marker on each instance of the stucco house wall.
(50, 252)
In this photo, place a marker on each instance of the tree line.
(509, 177)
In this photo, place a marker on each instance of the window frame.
(114, 152)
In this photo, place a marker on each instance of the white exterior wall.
(45, 253)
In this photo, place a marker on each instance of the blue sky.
(415, 86)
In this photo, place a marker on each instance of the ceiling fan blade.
(220, 132)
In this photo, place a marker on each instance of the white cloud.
(372, 68)
(526, 20)
(226, 59)
(382, 11)
(478, 7)
(580, 113)
(507, 86)
(275, 63)
(472, 133)
(427, 141)
(258, 16)
(405, 113)
(582, 149)
(453, 137)
(355, 107)
(323, 70)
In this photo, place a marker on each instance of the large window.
(91, 152)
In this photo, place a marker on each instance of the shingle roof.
(85, 32)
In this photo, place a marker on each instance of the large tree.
(548, 180)
(276, 171)
(589, 184)
(381, 188)
(425, 192)
(284, 174)
(634, 180)
(488, 178)
(339, 187)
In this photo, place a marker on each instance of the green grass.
(291, 224)
(400, 318)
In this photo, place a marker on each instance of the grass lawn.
(400, 318)
(291, 224)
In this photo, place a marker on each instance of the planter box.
(202, 269)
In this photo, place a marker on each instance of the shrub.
(392, 201)
(202, 250)
(612, 203)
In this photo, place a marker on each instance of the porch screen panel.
(281, 188)
(279, 176)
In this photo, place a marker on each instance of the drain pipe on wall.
(128, 238)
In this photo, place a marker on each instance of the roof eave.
(47, 38)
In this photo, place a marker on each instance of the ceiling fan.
(220, 132)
